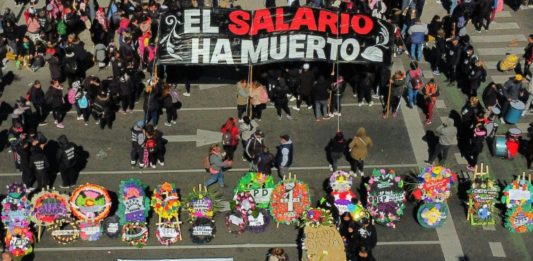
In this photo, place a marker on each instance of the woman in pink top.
(497, 6)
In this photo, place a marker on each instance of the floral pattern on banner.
(290, 198)
(386, 197)
(133, 205)
(434, 184)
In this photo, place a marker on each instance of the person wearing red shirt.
(230, 137)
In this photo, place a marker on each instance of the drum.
(514, 113)
(491, 128)
(495, 110)
(498, 147)
(515, 132)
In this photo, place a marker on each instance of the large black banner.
(240, 37)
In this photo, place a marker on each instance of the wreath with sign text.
(168, 233)
(16, 209)
(133, 203)
(48, 206)
(519, 219)
(90, 202)
(290, 198)
(64, 230)
(341, 190)
(434, 184)
(90, 230)
(201, 204)
(386, 197)
(518, 198)
(165, 201)
(135, 233)
(19, 241)
(481, 199)
(259, 185)
(203, 230)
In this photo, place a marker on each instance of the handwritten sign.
(518, 194)
(483, 195)
(69, 232)
(201, 205)
(262, 196)
(202, 231)
(324, 243)
(167, 232)
(256, 221)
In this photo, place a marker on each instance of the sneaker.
(280, 117)
(43, 123)
(258, 119)
(355, 95)
(317, 119)
(168, 124)
(55, 122)
(293, 98)
(160, 163)
(86, 124)
(186, 94)
(352, 173)
(295, 108)
(370, 104)
(174, 122)
(326, 118)
(337, 114)
(361, 173)
(436, 73)
(428, 122)
(330, 167)
(384, 115)
(240, 121)
(289, 117)
(123, 112)
(330, 115)
(375, 96)
(478, 31)
(309, 107)
(360, 104)
(222, 186)
(438, 2)
(244, 159)
(79, 118)
(471, 168)
(133, 162)
(29, 190)
(97, 122)
(129, 111)
(60, 125)
(141, 165)
(152, 166)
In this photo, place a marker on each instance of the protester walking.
(476, 145)
(247, 128)
(230, 137)
(320, 96)
(216, 166)
(417, 33)
(358, 148)
(414, 81)
(430, 92)
(254, 146)
(284, 155)
(336, 149)
(265, 161)
(280, 99)
(54, 100)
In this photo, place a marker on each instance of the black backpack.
(71, 66)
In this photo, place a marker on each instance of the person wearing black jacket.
(265, 161)
(36, 97)
(365, 89)
(366, 236)
(127, 94)
(66, 157)
(38, 162)
(102, 110)
(336, 149)
(70, 65)
(23, 151)
(170, 107)
(438, 52)
(320, 94)
(54, 65)
(348, 230)
(482, 14)
(54, 99)
(152, 105)
(306, 80)
(477, 75)
(491, 95)
(453, 56)
(280, 99)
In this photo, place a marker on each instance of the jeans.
(335, 156)
(321, 108)
(282, 171)
(219, 177)
(416, 51)
(152, 116)
(411, 96)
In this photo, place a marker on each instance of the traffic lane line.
(161, 171)
(63, 249)
(497, 249)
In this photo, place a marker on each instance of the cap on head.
(306, 66)
(518, 77)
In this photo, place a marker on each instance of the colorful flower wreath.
(133, 205)
(518, 193)
(258, 221)
(16, 212)
(90, 202)
(165, 201)
(519, 219)
(202, 204)
(167, 233)
(135, 233)
(236, 222)
(434, 184)
(90, 230)
(257, 181)
(19, 241)
(203, 230)
(340, 181)
(48, 206)
(315, 217)
(342, 199)
(386, 197)
(61, 235)
(289, 193)
(482, 195)
(432, 215)
(16, 190)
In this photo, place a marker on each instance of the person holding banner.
(394, 99)
(306, 80)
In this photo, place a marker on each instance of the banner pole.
(388, 98)
(338, 87)
(249, 108)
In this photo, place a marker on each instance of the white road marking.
(501, 78)
(489, 227)
(163, 171)
(440, 104)
(500, 38)
(497, 249)
(110, 248)
(500, 51)
(503, 26)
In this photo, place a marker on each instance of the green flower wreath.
(255, 180)
(519, 219)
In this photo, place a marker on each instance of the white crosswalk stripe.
(503, 26)
(500, 51)
(505, 38)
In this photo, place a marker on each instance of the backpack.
(263, 95)
(71, 95)
(227, 138)
(83, 102)
(416, 79)
(71, 66)
(175, 96)
(61, 28)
